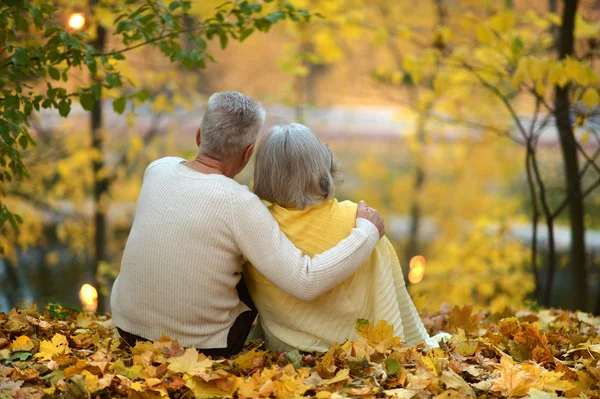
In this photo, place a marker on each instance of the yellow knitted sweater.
(375, 292)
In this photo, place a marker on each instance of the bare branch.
(587, 164)
(584, 194)
(503, 98)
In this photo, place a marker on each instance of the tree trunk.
(100, 177)
(571, 162)
(535, 215)
(554, 29)
(412, 248)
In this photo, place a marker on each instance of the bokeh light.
(88, 295)
(76, 21)
(417, 269)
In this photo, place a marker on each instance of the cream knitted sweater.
(183, 258)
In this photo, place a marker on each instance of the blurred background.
(444, 114)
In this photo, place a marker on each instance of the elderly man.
(194, 228)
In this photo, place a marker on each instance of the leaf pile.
(544, 354)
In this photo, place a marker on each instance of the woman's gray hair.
(294, 169)
(231, 123)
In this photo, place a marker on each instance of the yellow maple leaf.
(250, 360)
(341, 375)
(22, 343)
(190, 363)
(135, 372)
(557, 75)
(550, 381)
(202, 389)
(136, 386)
(91, 381)
(520, 73)
(455, 381)
(56, 347)
(466, 348)
(375, 335)
(537, 394)
(326, 367)
(513, 379)
(590, 97)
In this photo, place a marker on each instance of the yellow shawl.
(375, 292)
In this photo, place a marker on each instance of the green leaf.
(130, 1)
(21, 23)
(19, 355)
(262, 24)
(59, 311)
(201, 44)
(21, 56)
(392, 365)
(96, 90)
(87, 101)
(146, 18)
(360, 323)
(175, 5)
(113, 80)
(23, 142)
(91, 64)
(223, 38)
(64, 107)
(245, 33)
(142, 95)
(136, 12)
(276, 16)
(245, 8)
(54, 73)
(295, 358)
(517, 46)
(54, 376)
(38, 18)
(119, 104)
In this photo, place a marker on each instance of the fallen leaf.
(50, 349)
(190, 363)
(22, 344)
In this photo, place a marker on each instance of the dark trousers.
(235, 338)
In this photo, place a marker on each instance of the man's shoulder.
(241, 191)
(164, 161)
(243, 199)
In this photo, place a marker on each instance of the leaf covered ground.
(544, 354)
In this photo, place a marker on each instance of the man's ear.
(248, 153)
(198, 137)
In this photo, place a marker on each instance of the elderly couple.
(312, 265)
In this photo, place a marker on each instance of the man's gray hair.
(231, 123)
(294, 169)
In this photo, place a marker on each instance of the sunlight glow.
(76, 21)
(89, 298)
(417, 269)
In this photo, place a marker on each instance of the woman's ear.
(198, 137)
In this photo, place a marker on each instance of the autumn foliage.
(543, 354)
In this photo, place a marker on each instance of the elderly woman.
(296, 173)
(194, 228)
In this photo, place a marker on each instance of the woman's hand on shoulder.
(372, 215)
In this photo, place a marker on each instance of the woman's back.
(375, 292)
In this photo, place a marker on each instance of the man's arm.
(272, 253)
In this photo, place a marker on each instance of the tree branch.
(584, 194)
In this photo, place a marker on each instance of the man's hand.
(372, 216)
